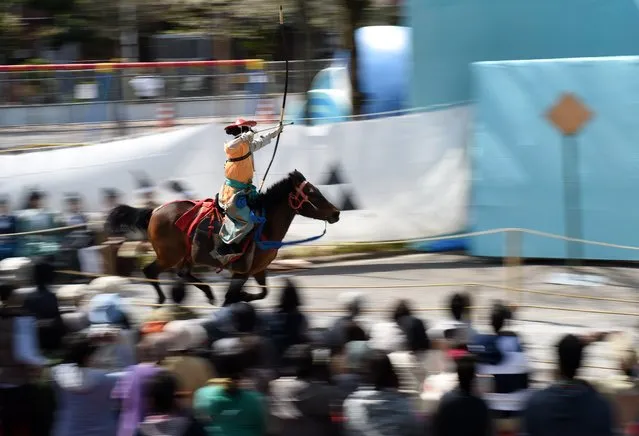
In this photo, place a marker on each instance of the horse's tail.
(124, 219)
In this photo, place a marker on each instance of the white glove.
(276, 132)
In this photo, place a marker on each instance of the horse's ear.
(298, 175)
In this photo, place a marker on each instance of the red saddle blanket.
(191, 218)
(207, 209)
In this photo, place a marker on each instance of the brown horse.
(280, 203)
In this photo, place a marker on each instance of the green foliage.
(97, 24)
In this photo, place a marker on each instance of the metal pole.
(572, 201)
(512, 262)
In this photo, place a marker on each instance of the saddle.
(202, 223)
(197, 214)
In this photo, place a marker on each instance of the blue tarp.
(448, 35)
(517, 166)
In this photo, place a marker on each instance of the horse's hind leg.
(185, 273)
(152, 272)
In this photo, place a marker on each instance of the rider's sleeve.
(244, 137)
(262, 141)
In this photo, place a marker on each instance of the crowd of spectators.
(90, 368)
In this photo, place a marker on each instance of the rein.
(295, 200)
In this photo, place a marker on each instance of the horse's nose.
(334, 218)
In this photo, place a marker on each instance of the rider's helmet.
(239, 126)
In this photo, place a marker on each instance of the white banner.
(401, 178)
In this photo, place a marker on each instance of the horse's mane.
(279, 190)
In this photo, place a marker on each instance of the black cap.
(243, 317)
(35, 194)
(72, 197)
(110, 192)
(143, 181)
(176, 186)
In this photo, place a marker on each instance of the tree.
(10, 28)
(355, 14)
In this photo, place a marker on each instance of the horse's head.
(308, 201)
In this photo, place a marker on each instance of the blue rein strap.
(275, 245)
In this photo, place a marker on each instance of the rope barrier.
(548, 362)
(39, 232)
(147, 303)
(385, 286)
(407, 241)
(519, 290)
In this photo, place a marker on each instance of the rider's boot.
(224, 249)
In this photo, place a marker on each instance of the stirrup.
(227, 249)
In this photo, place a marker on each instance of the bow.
(277, 142)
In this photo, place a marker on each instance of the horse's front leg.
(235, 292)
(260, 278)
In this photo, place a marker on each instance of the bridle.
(297, 199)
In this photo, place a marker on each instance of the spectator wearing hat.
(83, 393)
(43, 304)
(183, 339)
(301, 402)
(32, 218)
(110, 328)
(129, 388)
(224, 407)
(180, 188)
(165, 417)
(146, 193)
(378, 407)
(8, 225)
(19, 357)
(224, 322)
(74, 215)
(462, 411)
(235, 319)
(110, 199)
(570, 406)
(502, 360)
(287, 325)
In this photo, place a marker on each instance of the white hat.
(72, 294)
(108, 285)
(623, 348)
(185, 335)
(18, 269)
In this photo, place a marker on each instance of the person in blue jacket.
(8, 225)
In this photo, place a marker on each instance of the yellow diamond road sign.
(569, 115)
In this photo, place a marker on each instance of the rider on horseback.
(238, 186)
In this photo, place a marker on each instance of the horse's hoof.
(161, 300)
(212, 301)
